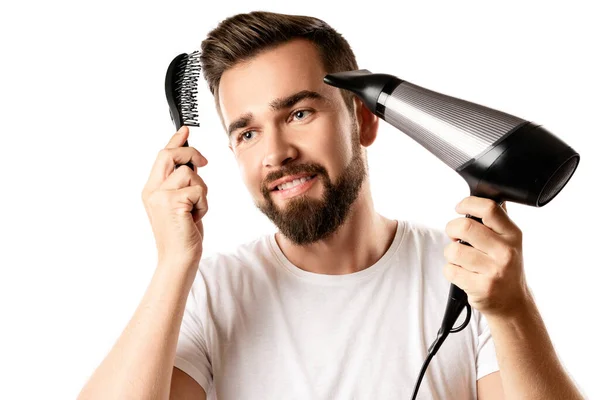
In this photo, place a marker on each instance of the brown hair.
(243, 36)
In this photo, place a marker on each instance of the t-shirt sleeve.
(486, 361)
(192, 356)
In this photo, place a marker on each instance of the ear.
(368, 123)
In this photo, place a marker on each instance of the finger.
(475, 233)
(461, 277)
(467, 257)
(167, 159)
(191, 198)
(179, 139)
(493, 216)
(181, 178)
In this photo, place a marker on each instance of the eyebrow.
(276, 105)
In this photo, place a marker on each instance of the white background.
(83, 116)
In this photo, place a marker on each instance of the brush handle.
(189, 164)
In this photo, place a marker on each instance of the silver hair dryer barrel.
(501, 157)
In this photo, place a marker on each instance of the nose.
(278, 150)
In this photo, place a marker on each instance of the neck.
(357, 244)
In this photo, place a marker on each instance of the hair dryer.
(501, 157)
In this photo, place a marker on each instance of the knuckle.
(466, 226)
(488, 288)
(201, 202)
(491, 207)
(498, 276)
(202, 205)
(455, 250)
(449, 227)
(506, 255)
(185, 170)
(494, 274)
(515, 254)
(185, 174)
(164, 154)
(199, 182)
(518, 233)
(511, 254)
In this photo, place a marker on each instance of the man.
(340, 303)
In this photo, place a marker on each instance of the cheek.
(334, 146)
(249, 172)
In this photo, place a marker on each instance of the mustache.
(311, 168)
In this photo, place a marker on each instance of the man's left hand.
(490, 272)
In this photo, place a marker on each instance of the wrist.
(522, 310)
(178, 269)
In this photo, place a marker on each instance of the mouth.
(289, 184)
(294, 187)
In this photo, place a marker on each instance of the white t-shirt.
(258, 327)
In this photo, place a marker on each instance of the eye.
(301, 114)
(245, 136)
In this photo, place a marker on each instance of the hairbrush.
(181, 87)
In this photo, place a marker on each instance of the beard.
(304, 220)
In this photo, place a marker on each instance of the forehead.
(250, 86)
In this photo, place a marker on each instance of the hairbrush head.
(181, 87)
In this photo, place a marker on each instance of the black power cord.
(453, 310)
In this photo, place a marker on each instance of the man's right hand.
(175, 201)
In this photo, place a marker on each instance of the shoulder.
(246, 253)
(425, 237)
(250, 259)
(423, 246)
(227, 281)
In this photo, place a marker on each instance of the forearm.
(140, 364)
(529, 366)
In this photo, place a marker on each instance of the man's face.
(288, 127)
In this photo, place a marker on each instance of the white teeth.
(293, 183)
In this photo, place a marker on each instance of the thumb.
(179, 138)
(183, 133)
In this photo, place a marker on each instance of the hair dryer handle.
(457, 294)
(457, 300)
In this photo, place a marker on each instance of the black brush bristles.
(181, 87)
